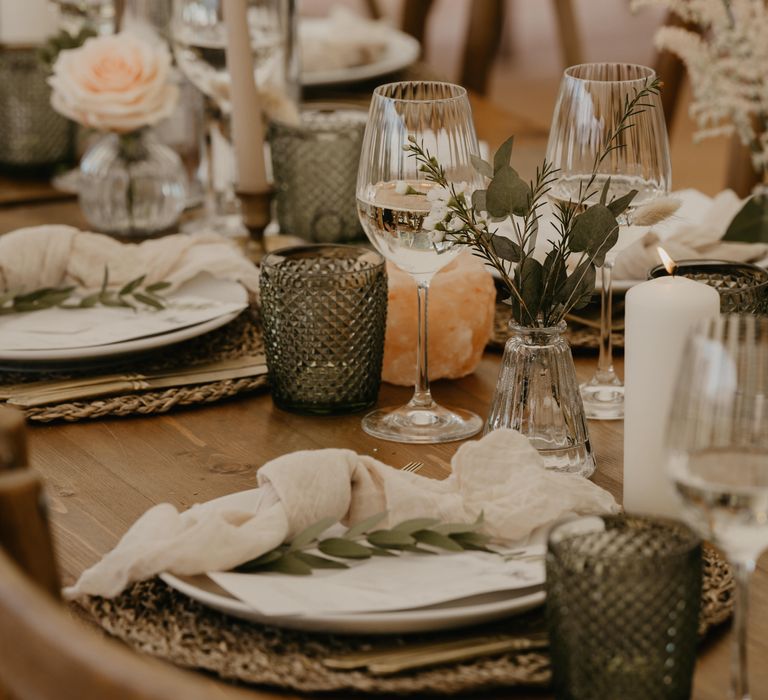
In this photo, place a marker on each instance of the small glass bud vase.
(538, 395)
(131, 185)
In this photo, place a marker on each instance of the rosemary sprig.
(362, 541)
(131, 295)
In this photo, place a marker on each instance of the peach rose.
(114, 83)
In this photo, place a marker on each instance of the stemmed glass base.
(603, 396)
(416, 424)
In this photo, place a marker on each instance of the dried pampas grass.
(655, 211)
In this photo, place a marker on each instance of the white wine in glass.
(393, 199)
(717, 452)
(590, 103)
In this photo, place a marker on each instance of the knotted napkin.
(56, 255)
(501, 475)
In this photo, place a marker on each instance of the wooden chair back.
(45, 653)
(483, 35)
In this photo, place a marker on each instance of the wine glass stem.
(211, 110)
(422, 398)
(605, 371)
(742, 571)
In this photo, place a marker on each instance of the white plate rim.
(129, 347)
(367, 623)
(402, 51)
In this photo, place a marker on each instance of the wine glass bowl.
(395, 200)
(590, 104)
(717, 450)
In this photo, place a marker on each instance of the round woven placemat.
(236, 339)
(155, 619)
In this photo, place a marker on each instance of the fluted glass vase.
(538, 395)
(131, 185)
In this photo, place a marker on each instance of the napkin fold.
(694, 232)
(57, 255)
(501, 475)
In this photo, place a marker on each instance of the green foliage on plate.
(540, 293)
(132, 295)
(308, 551)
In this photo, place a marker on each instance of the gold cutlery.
(32, 399)
(410, 657)
(11, 390)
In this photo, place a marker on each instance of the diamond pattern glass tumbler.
(623, 598)
(324, 310)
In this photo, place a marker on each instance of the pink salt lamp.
(462, 300)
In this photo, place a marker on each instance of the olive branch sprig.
(131, 295)
(362, 541)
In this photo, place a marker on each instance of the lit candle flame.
(666, 260)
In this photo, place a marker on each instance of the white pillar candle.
(659, 314)
(247, 129)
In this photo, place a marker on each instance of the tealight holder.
(743, 287)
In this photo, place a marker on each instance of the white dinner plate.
(401, 51)
(458, 613)
(204, 286)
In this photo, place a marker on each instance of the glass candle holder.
(324, 311)
(315, 170)
(743, 287)
(623, 598)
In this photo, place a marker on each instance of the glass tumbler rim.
(649, 73)
(690, 539)
(460, 93)
(376, 259)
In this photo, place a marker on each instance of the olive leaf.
(363, 526)
(317, 562)
(311, 533)
(414, 524)
(390, 539)
(436, 539)
(148, 300)
(131, 286)
(158, 287)
(346, 549)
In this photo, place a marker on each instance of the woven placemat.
(155, 619)
(236, 339)
(583, 330)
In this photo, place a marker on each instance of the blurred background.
(527, 66)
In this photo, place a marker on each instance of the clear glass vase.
(538, 395)
(131, 185)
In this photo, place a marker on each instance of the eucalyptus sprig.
(586, 227)
(362, 541)
(131, 295)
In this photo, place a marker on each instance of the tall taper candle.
(658, 316)
(247, 129)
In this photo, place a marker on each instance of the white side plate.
(459, 613)
(402, 50)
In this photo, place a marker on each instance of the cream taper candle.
(658, 315)
(247, 129)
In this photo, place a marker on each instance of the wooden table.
(101, 476)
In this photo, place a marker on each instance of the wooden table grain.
(102, 475)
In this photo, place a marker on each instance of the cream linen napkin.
(501, 475)
(694, 232)
(55, 255)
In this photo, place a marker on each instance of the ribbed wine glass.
(394, 197)
(717, 451)
(590, 104)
